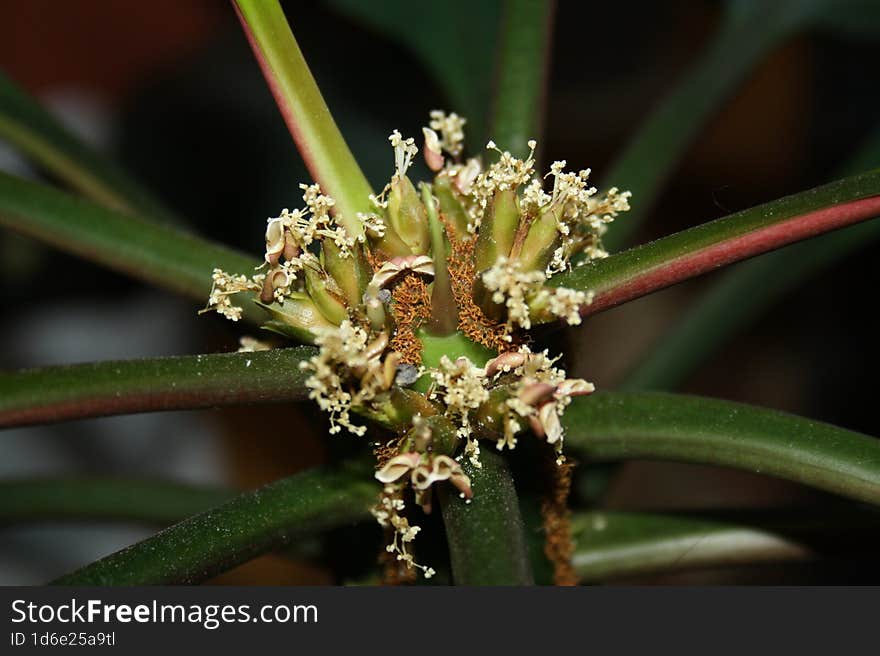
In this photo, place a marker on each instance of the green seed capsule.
(326, 294)
(407, 215)
(298, 318)
(542, 239)
(497, 230)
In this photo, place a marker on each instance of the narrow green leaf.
(455, 40)
(684, 255)
(611, 545)
(523, 60)
(51, 394)
(742, 294)
(486, 541)
(250, 525)
(104, 499)
(157, 253)
(622, 425)
(31, 129)
(317, 137)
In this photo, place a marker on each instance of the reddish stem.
(735, 249)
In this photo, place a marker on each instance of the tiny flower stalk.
(421, 315)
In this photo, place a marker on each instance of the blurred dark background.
(170, 88)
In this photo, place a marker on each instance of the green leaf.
(611, 545)
(103, 499)
(742, 294)
(658, 426)
(62, 393)
(250, 525)
(37, 134)
(317, 137)
(150, 251)
(684, 255)
(455, 40)
(486, 541)
(526, 36)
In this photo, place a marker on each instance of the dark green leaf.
(526, 37)
(30, 128)
(52, 394)
(250, 525)
(622, 425)
(157, 253)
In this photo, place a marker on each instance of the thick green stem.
(252, 524)
(486, 541)
(51, 394)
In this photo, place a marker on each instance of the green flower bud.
(407, 215)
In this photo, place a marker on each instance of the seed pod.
(451, 205)
(389, 245)
(326, 294)
(298, 318)
(497, 229)
(542, 239)
(350, 274)
(407, 215)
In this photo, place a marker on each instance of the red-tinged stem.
(643, 270)
(52, 394)
(317, 137)
(734, 250)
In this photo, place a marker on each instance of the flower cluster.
(469, 253)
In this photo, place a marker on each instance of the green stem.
(252, 524)
(645, 269)
(487, 545)
(52, 394)
(745, 37)
(622, 426)
(611, 545)
(103, 499)
(523, 60)
(317, 137)
(160, 254)
(37, 134)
